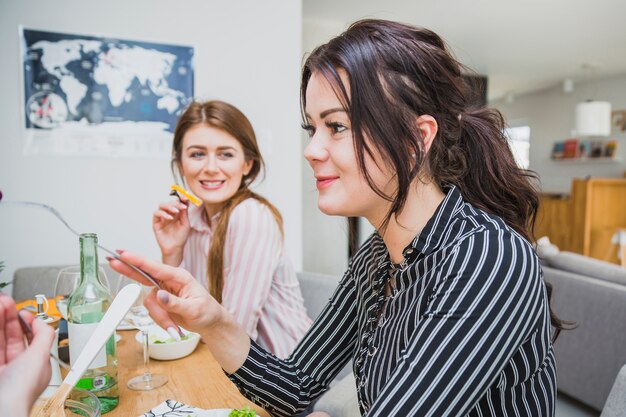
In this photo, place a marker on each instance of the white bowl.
(171, 349)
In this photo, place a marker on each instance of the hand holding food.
(170, 224)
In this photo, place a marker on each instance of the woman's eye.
(336, 127)
(196, 155)
(226, 155)
(310, 129)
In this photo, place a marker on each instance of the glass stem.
(146, 357)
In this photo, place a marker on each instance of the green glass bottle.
(85, 308)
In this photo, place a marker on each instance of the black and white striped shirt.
(466, 330)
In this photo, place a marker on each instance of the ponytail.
(480, 163)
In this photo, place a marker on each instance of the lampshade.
(593, 118)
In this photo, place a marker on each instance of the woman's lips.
(212, 185)
(324, 182)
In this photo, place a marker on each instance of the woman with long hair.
(443, 310)
(233, 241)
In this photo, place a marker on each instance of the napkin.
(171, 408)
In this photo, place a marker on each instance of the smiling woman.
(233, 242)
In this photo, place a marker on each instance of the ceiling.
(522, 46)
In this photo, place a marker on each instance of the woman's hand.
(28, 365)
(181, 301)
(171, 229)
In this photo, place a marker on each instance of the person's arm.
(280, 386)
(286, 387)
(24, 371)
(254, 244)
(489, 300)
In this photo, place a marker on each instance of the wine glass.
(139, 318)
(67, 280)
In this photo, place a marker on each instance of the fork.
(28, 332)
(58, 216)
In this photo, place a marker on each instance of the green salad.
(170, 340)
(244, 412)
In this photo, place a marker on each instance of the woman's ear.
(247, 167)
(428, 128)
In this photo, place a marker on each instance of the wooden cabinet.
(585, 221)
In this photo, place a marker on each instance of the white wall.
(551, 116)
(325, 244)
(247, 53)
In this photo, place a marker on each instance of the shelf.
(575, 161)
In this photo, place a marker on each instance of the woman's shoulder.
(252, 211)
(475, 228)
(472, 229)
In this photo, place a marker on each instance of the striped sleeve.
(485, 302)
(286, 387)
(253, 247)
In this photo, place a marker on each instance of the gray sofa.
(29, 281)
(592, 294)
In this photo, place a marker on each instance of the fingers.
(12, 343)
(127, 271)
(170, 210)
(43, 336)
(175, 305)
(158, 314)
(174, 278)
(161, 215)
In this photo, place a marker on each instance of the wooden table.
(196, 380)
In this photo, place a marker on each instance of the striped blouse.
(261, 288)
(465, 331)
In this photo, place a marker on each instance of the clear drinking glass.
(139, 318)
(68, 279)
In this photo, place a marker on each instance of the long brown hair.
(397, 72)
(224, 116)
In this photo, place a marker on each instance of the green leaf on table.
(244, 412)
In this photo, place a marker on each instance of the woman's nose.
(211, 164)
(315, 151)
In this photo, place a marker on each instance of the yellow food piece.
(187, 194)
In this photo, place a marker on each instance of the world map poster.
(89, 95)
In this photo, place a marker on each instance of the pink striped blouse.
(261, 289)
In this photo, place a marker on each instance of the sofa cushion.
(615, 405)
(32, 280)
(584, 265)
(341, 400)
(589, 356)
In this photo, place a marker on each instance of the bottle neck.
(89, 259)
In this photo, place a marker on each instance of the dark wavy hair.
(397, 72)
